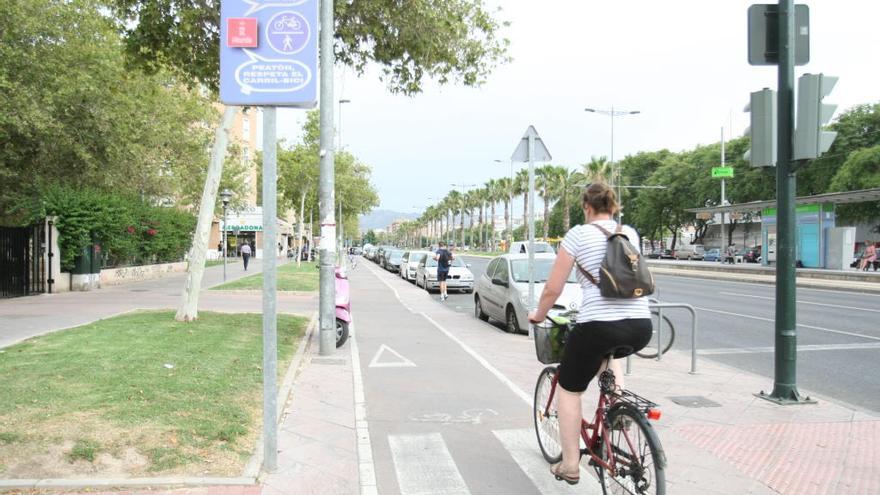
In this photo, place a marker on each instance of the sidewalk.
(735, 444)
(25, 317)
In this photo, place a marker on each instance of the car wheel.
(478, 309)
(511, 325)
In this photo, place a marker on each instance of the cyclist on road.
(444, 257)
(603, 324)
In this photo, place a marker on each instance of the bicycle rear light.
(653, 414)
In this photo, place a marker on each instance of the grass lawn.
(481, 253)
(290, 278)
(230, 261)
(138, 394)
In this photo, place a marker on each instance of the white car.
(460, 276)
(409, 263)
(522, 247)
(502, 292)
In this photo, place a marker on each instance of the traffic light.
(810, 141)
(762, 128)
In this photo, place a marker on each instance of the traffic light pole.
(785, 380)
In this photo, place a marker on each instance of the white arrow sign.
(521, 154)
(400, 362)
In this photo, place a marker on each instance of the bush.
(130, 230)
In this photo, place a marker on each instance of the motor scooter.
(343, 307)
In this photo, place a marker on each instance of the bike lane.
(439, 420)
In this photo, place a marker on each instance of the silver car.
(409, 263)
(460, 276)
(502, 292)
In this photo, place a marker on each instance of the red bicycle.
(621, 443)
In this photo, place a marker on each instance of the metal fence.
(22, 265)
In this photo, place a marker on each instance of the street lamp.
(225, 196)
(614, 113)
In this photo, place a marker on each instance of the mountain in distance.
(381, 219)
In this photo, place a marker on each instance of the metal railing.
(659, 306)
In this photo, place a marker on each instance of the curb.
(169, 481)
(805, 282)
(254, 465)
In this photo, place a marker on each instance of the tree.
(548, 178)
(860, 171)
(448, 40)
(597, 170)
(521, 186)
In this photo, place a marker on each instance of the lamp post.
(614, 113)
(225, 196)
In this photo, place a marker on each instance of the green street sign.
(722, 172)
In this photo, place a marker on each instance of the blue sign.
(269, 52)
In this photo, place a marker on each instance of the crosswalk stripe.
(523, 447)
(425, 466)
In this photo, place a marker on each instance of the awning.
(838, 198)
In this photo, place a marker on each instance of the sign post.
(531, 149)
(269, 58)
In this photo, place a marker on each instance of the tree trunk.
(195, 270)
(507, 219)
(492, 226)
(302, 219)
(461, 224)
(546, 214)
(566, 214)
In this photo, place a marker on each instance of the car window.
(490, 270)
(542, 271)
(501, 271)
(422, 260)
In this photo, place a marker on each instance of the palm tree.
(453, 202)
(492, 198)
(597, 170)
(566, 192)
(548, 178)
(505, 190)
(522, 187)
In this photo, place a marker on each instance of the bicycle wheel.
(650, 350)
(547, 425)
(637, 456)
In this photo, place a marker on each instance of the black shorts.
(589, 344)
(442, 275)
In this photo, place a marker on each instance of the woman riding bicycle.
(603, 324)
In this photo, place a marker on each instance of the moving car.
(712, 255)
(502, 292)
(460, 276)
(410, 262)
(522, 247)
(690, 252)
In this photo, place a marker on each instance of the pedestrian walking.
(731, 254)
(245, 254)
(444, 257)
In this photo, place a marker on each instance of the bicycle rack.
(656, 304)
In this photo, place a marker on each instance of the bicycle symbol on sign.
(288, 23)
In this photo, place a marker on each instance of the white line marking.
(401, 361)
(424, 465)
(521, 445)
(366, 467)
(800, 348)
(811, 327)
(472, 416)
(486, 364)
(801, 302)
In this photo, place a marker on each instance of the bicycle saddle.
(620, 351)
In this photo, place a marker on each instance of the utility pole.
(615, 113)
(327, 299)
(723, 203)
(270, 285)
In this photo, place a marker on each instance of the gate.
(22, 265)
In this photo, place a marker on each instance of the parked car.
(655, 254)
(392, 260)
(410, 263)
(690, 252)
(522, 247)
(752, 255)
(667, 254)
(460, 276)
(712, 255)
(502, 291)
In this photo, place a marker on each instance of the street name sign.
(722, 172)
(269, 52)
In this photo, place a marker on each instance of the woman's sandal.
(571, 480)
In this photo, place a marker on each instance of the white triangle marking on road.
(401, 361)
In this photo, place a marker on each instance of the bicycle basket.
(550, 340)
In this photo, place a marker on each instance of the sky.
(682, 64)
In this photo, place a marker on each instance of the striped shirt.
(587, 246)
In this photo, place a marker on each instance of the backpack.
(443, 258)
(623, 273)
